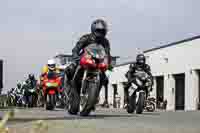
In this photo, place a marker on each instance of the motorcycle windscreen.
(96, 51)
(51, 75)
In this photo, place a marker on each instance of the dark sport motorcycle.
(140, 85)
(93, 62)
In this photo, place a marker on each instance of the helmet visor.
(141, 61)
(100, 32)
(52, 66)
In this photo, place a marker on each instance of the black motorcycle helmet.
(19, 85)
(99, 28)
(31, 76)
(140, 59)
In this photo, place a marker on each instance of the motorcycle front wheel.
(140, 103)
(131, 104)
(89, 100)
(40, 99)
(73, 103)
(50, 102)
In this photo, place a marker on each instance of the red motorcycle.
(51, 87)
(93, 62)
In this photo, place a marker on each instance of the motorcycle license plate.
(51, 84)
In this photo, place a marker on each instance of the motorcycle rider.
(19, 92)
(12, 90)
(31, 80)
(18, 89)
(50, 69)
(98, 35)
(140, 64)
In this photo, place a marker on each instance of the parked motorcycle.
(87, 77)
(140, 85)
(51, 87)
(150, 104)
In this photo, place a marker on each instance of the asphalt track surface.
(105, 121)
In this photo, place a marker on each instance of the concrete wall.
(177, 59)
(180, 58)
(116, 77)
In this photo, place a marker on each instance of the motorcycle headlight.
(51, 84)
(32, 90)
(87, 56)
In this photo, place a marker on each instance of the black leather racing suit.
(129, 75)
(84, 41)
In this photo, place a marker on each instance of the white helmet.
(51, 64)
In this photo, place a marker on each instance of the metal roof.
(172, 44)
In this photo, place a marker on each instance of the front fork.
(133, 90)
(83, 84)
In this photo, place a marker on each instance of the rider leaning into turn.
(97, 35)
(139, 65)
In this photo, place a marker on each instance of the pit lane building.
(176, 71)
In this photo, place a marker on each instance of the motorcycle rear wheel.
(73, 103)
